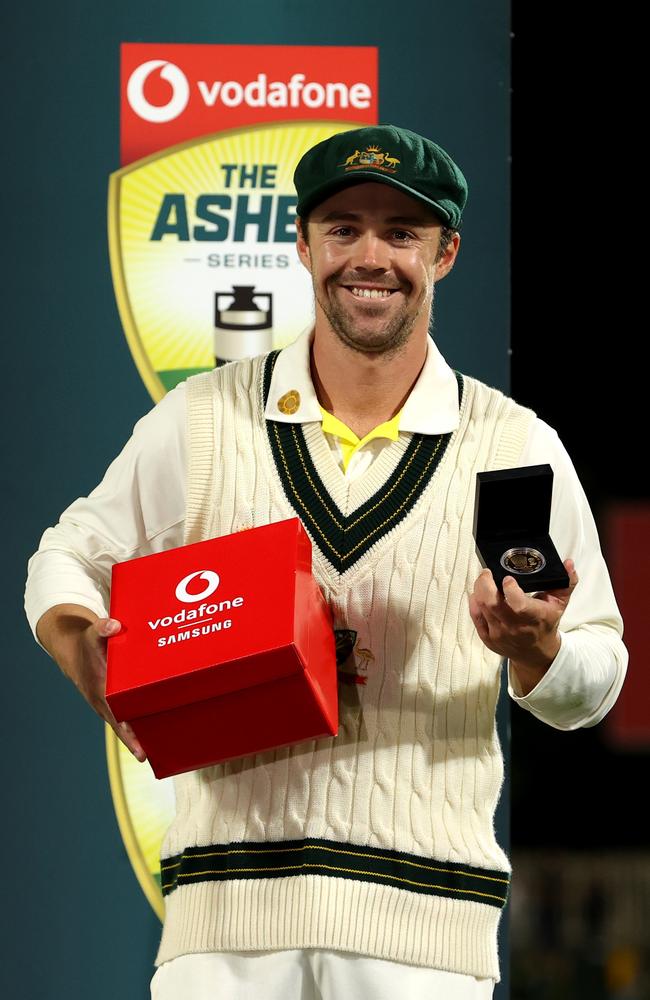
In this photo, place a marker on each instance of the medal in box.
(226, 649)
(512, 516)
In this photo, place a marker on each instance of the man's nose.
(370, 253)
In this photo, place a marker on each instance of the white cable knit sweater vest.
(380, 840)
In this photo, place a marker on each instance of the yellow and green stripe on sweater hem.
(292, 858)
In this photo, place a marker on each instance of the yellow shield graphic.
(202, 249)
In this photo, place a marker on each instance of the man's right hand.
(76, 640)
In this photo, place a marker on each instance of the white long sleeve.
(586, 676)
(137, 509)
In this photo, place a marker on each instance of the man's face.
(372, 256)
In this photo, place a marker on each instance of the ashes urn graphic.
(243, 324)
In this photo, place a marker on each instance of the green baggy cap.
(388, 155)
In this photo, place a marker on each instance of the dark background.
(577, 344)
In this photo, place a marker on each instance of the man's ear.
(302, 244)
(445, 263)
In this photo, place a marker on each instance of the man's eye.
(401, 235)
(342, 231)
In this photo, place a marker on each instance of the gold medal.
(523, 560)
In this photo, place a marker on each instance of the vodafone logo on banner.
(211, 583)
(152, 112)
(172, 93)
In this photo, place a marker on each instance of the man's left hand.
(519, 626)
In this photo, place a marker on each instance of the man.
(366, 863)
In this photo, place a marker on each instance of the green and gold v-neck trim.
(342, 539)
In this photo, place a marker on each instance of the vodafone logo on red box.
(192, 623)
(212, 582)
(172, 93)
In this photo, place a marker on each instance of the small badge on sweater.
(290, 402)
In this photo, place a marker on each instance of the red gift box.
(226, 649)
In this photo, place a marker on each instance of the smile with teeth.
(372, 293)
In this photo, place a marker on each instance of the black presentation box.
(513, 511)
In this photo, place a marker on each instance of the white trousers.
(307, 974)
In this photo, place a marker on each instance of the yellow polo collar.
(349, 442)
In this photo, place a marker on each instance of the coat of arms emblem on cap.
(371, 157)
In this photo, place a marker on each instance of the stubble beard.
(389, 340)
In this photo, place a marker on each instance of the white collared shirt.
(431, 407)
(124, 517)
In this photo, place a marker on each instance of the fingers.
(485, 600)
(478, 619)
(78, 645)
(514, 596)
(483, 605)
(560, 597)
(511, 606)
(570, 567)
(485, 589)
(514, 599)
(122, 730)
(105, 627)
(516, 624)
(508, 622)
